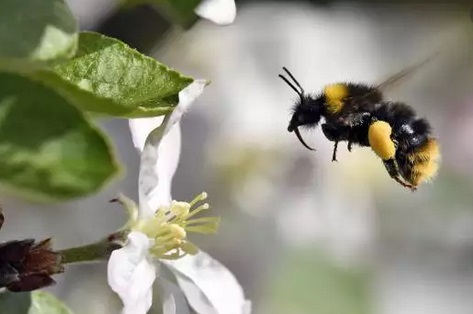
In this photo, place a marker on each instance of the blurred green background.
(302, 234)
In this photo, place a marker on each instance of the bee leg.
(334, 154)
(349, 146)
(393, 170)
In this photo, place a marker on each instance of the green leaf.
(180, 11)
(48, 149)
(46, 303)
(36, 302)
(40, 30)
(177, 11)
(108, 77)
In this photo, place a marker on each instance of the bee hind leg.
(399, 180)
(393, 170)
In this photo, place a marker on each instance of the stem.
(88, 253)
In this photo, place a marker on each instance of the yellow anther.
(173, 244)
(180, 209)
(177, 231)
(189, 248)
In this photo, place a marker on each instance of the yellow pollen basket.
(379, 137)
(334, 95)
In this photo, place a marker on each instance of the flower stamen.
(202, 196)
(199, 209)
(169, 226)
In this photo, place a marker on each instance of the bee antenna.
(298, 92)
(290, 84)
(293, 78)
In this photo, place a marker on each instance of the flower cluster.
(157, 228)
(156, 231)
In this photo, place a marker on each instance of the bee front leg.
(335, 134)
(334, 154)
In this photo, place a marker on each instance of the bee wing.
(391, 81)
(401, 75)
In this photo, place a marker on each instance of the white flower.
(221, 12)
(159, 228)
(131, 274)
(208, 285)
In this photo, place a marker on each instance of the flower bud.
(26, 266)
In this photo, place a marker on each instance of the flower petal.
(160, 155)
(186, 98)
(131, 275)
(208, 285)
(140, 128)
(156, 173)
(221, 12)
(172, 298)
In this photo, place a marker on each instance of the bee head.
(307, 111)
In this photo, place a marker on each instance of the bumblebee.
(359, 114)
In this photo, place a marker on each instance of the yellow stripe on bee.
(430, 150)
(334, 96)
(424, 172)
(426, 162)
(379, 137)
